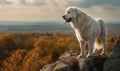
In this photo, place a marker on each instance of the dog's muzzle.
(66, 20)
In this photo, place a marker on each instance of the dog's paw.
(80, 56)
(103, 54)
(89, 56)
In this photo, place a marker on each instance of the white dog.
(87, 29)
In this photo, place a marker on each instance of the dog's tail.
(103, 27)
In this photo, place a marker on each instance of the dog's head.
(70, 14)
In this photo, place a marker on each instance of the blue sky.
(52, 10)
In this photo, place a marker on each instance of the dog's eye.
(68, 12)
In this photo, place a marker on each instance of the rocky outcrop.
(113, 62)
(70, 62)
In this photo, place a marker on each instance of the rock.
(65, 63)
(70, 62)
(112, 40)
(113, 62)
(94, 64)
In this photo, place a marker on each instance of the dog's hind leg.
(104, 44)
(94, 50)
(103, 37)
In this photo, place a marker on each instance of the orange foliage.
(31, 51)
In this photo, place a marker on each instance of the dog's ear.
(78, 12)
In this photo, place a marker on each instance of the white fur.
(87, 29)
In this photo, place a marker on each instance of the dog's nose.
(63, 16)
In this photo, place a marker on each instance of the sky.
(52, 10)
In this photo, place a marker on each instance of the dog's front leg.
(90, 47)
(82, 47)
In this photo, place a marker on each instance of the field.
(31, 51)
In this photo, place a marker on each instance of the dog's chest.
(74, 26)
(79, 35)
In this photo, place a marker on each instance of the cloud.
(108, 12)
(4, 2)
(13, 1)
(89, 3)
(30, 1)
(52, 10)
(34, 2)
(48, 11)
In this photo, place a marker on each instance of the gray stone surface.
(113, 62)
(70, 62)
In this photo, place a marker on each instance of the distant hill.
(29, 23)
(47, 27)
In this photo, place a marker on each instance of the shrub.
(31, 51)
